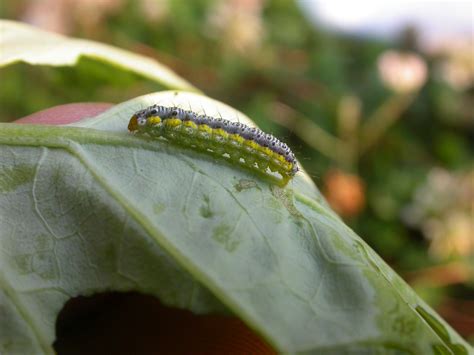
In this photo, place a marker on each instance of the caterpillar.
(248, 146)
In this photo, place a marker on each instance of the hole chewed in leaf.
(132, 323)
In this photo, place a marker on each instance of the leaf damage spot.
(223, 235)
(44, 265)
(23, 264)
(245, 184)
(285, 196)
(12, 177)
(158, 208)
(205, 210)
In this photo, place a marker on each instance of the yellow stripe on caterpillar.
(220, 132)
(267, 151)
(205, 128)
(251, 144)
(172, 122)
(236, 138)
(154, 120)
(280, 157)
(190, 124)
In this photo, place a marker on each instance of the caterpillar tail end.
(284, 181)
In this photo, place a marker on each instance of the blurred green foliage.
(272, 57)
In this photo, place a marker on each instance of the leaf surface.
(23, 43)
(90, 208)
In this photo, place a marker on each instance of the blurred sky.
(435, 20)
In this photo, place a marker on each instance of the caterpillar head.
(137, 121)
(148, 117)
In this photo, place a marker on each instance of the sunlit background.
(376, 98)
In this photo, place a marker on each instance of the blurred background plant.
(376, 99)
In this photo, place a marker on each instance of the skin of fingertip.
(86, 324)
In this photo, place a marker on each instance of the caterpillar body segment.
(239, 143)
